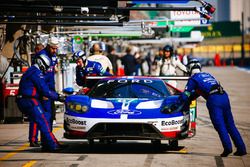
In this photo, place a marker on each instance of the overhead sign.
(184, 15)
(160, 1)
(221, 29)
(191, 22)
(182, 29)
(188, 18)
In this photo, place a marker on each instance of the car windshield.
(129, 88)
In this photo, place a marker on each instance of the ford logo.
(128, 112)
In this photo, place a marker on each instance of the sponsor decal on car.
(172, 122)
(132, 81)
(128, 112)
(171, 128)
(75, 121)
(78, 127)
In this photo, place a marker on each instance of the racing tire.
(173, 143)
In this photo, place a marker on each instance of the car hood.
(132, 108)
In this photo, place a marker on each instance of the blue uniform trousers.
(47, 113)
(35, 112)
(222, 119)
(33, 130)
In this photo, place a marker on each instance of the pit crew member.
(50, 51)
(31, 88)
(218, 104)
(86, 67)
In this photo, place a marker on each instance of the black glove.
(61, 98)
(169, 108)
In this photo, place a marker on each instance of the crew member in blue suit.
(86, 67)
(50, 51)
(218, 104)
(31, 88)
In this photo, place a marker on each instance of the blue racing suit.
(47, 104)
(32, 88)
(91, 68)
(218, 105)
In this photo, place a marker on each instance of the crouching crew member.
(32, 88)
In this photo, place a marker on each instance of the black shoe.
(63, 146)
(57, 149)
(34, 144)
(240, 153)
(225, 153)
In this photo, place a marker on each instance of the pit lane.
(202, 150)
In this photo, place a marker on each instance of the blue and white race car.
(119, 108)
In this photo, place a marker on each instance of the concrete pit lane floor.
(203, 150)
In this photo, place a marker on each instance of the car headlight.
(77, 107)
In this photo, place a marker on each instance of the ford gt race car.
(129, 108)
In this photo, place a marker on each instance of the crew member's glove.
(61, 98)
(169, 108)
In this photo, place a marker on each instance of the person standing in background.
(97, 56)
(113, 59)
(129, 62)
(169, 63)
(155, 70)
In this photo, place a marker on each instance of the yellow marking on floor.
(183, 151)
(23, 147)
(29, 164)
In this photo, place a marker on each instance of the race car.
(129, 108)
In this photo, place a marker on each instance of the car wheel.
(173, 143)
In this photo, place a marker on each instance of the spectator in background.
(217, 61)
(113, 58)
(129, 62)
(185, 58)
(139, 61)
(169, 64)
(155, 70)
(97, 56)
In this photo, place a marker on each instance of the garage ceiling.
(61, 12)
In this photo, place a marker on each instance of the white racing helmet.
(193, 66)
(43, 62)
(79, 54)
